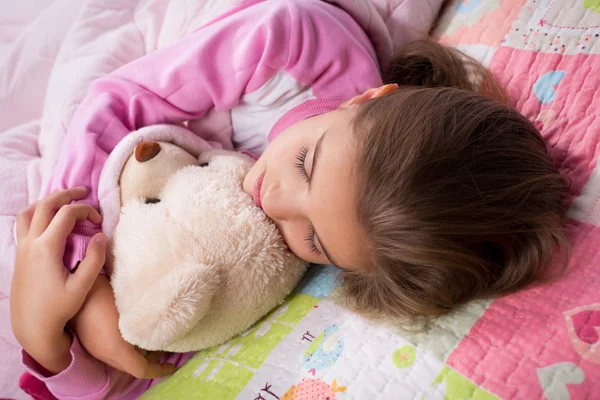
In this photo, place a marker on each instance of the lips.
(257, 188)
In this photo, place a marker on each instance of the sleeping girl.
(408, 172)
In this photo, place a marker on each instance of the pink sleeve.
(212, 67)
(88, 379)
(316, 43)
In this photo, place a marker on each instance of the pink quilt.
(50, 50)
(538, 344)
(543, 343)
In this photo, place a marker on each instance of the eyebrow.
(316, 157)
(331, 260)
(312, 174)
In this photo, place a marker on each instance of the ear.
(371, 94)
(169, 308)
(145, 151)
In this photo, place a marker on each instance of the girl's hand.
(96, 325)
(44, 294)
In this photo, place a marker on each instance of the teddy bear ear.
(170, 307)
(145, 151)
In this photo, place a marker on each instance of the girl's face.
(305, 182)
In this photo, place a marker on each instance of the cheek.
(279, 159)
(251, 177)
(293, 236)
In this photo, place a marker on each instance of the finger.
(143, 352)
(159, 370)
(134, 363)
(88, 270)
(48, 206)
(153, 356)
(132, 360)
(65, 219)
(24, 218)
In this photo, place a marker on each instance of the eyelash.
(310, 242)
(300, 159)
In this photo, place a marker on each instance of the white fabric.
(260, 110)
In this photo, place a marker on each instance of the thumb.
(90, 267)
(140, 366)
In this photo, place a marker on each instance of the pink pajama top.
(267, 63)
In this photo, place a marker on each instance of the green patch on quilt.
(460, 388)
(405, 356)
(222, 372)
(315, 344)
(593, 5)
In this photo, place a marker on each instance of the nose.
(281, 203)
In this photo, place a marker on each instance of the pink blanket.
(50, 50)
(543, 343)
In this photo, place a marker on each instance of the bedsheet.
(50, 50)
(542, 343)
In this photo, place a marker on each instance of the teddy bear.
(192, 261)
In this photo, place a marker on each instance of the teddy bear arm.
(170, 307)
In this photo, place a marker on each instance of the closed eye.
(300, 161)
(310, 242)
(152, 201)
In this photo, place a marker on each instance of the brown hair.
(456, 192)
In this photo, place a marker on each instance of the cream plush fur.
(201, 265)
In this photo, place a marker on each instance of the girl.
(425, 193)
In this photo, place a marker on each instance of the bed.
(543, 343)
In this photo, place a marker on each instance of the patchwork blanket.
(543, 343)
(50, 50)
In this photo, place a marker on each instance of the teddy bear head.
(193, 260)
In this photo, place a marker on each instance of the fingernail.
(81, 188)
(100, 239)
(75, 267)
(171, 368)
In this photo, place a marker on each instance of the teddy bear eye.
(202, 165)
(152, 201)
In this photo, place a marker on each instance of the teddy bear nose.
(146, 151)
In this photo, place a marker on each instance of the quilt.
(50, 51)
(543, 343)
